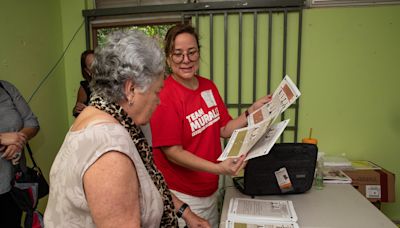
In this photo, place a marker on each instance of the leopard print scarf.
(169, 217)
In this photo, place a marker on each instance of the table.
(335, 206)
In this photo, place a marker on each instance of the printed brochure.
(262, 132)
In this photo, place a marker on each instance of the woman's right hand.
(13, 138)
(232, 166)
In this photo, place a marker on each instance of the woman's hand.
(241, 121)
(12, 152)
(13, 138)
(192, 220)
(232, 166)
(79, 107)
(259, 103)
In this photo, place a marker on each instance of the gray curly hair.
(126, 56)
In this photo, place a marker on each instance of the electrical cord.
(56, 64)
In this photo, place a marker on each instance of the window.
(156, 31)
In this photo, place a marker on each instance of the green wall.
(74, 38)
(350, 79)
(30, 46)
(350, 65)
(349, 74)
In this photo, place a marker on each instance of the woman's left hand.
(259, 103)
(13, 138)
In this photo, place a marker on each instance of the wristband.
(179, 213)
(246, 113)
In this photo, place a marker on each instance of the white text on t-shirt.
(199, 121)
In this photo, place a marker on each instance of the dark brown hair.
(83, 63)
(173, 32)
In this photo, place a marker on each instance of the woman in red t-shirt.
(187, 127)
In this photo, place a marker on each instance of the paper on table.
(336, 176)
(337, 161)
(232, 224)
(265, 212)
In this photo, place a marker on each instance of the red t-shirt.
(193, 119)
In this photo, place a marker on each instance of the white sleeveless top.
(67, 205)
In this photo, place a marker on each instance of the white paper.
(336, 161)
(261, 212)
(335, 176)
(285, 95)
(264, 145)
(243, 139)
(253, 141)
(233, 224)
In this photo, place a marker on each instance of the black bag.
(299, 160)
(23, 198)
(27, 181)
(33, 175)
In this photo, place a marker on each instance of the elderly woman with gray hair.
(104, 175)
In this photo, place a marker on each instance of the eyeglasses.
(178, 56)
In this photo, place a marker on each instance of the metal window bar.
(269, 51)
(297, 104)
(255, 56)
(284, 56)
(239, 107)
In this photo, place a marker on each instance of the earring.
(168, 70)
(130, 102)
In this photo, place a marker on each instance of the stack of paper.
(336, 177)
(337, 162)
(245, 212)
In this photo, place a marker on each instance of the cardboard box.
(376, 185)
